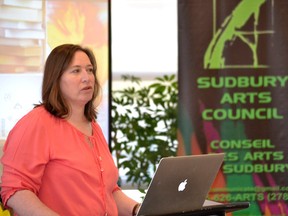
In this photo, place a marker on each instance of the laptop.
(181, 184)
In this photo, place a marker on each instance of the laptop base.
(212, 208)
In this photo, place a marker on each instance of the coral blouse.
(71, 173)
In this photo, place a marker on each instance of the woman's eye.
(90, 70)
(75, 71)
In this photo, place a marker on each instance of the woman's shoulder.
(37, 116)
(38, 112)
(96, 126)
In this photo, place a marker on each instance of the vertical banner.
(233, 74)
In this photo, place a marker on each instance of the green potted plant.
(144, 126)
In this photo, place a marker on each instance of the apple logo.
(182, 185)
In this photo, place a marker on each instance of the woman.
(56, 160)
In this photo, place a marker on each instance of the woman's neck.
(79, 120)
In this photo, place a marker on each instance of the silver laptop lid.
(181, 184)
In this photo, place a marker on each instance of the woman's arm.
(26, 203)
(124, 203)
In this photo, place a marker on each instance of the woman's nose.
(84, 75)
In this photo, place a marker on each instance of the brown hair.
(56, 63)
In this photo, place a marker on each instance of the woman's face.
(77, 81)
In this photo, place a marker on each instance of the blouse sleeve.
(25, 155)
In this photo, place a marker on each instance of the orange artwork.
(80, 22)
